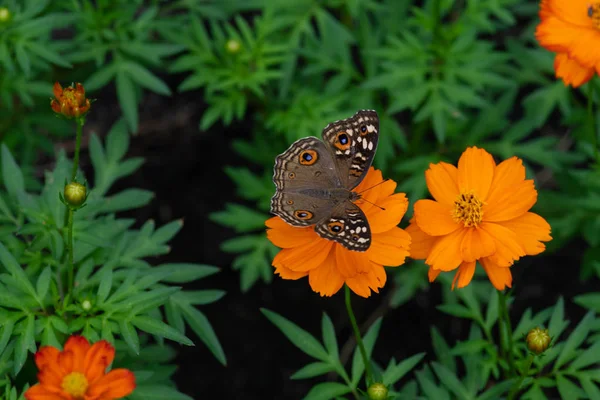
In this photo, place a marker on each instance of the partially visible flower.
(538, 340)
(571, 29)
(70, 102)
(328, 264)
(377, 391)
(75, 194)
(233, 46)
(4, 15)
(480, 213)
(78, 373)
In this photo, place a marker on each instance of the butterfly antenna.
(377, 184)
(381, 208)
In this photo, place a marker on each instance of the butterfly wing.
(303, 176)
(347, 225)
(353, 143)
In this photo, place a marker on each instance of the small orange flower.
(571, 28)
(328, 264)
(78, 373)
(480, 213)
(70, 102)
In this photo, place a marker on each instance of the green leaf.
(240, 218)
(430, 389)
(393, 375)
(557, 322)
(106, 279)
(126, 200)
(202, 327)
(568, 390)
(457, 310)
(591, 301)
(575, 339)
(159, 328)
(182, 272)
(327, 391)
(298, 336)
(47, 54)
(329, 338)
(369, 339)
(451, 381)
(442, 350)
(157, 392)
(13, 267)
(43, 283)
(11, 174)
(586, 358)
(117, 141)
(101, 77)
(130, 336)
(143, 77)
(126, 93)
(313, 369)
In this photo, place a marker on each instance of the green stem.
(515, 388)
(69, 250)
(359, 341)
(592, 117)
(79, 122)
(505, 318)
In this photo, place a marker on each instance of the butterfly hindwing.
(353, 143)
(347, 225)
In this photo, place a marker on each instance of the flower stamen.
(468, 209)
(75, 384)
(594, 13)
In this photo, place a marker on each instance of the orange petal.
(421, 243)
(442, 182)
(432, 274)
(39, 392)
(394, 208)
(55, 106)
(507, 174)
(511, 202)
(363, 283)
(572, 11)
(464, 274)
(66, 360)
(389, 248)
(326, 279)
(531, 230)
(57, 90)
(286, 273)
(97, 359)
(51, 378)
(116, 384)
(372, 190)
(434, 218)
(476, 244)
(475, 172)
(78, 346)
(500, 277)
(508, 247)
(445, 254)
(46, 356)
(305, 257)
(350, 263)
(283, 235)
(571, 71)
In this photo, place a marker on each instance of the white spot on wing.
(371, 128)
(370, 145)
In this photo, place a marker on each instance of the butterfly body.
(314, 180)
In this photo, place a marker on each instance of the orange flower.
(328, 264)
(571, 28)
(78, 373)
(70, 102)
(480, 213)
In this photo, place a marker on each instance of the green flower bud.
(86, 305)
(4, 15)
(233, 46)
(538, 340)
(377, 391)
(75, 194)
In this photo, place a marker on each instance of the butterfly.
(314, 180)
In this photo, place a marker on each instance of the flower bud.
(4, 15)
(538, 340)
(233, 46)
(86, 305)
(377, 391)
(75, 194)
(70, 102)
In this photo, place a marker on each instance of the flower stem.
(359, 341)
(69, 249)
(524, 374)
(79, 122)
(592, 116)
(505, 319)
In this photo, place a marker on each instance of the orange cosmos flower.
(571, 28)
(480, 213)
(328, 264)
(78, 373)
(70, 102)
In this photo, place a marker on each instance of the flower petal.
(47, 356)
(571, 71)
(305, 257)
(508, 247)
(432, 274)
(57, 90)
(511, 202)
(326, 279)
(372, 190)
(531, 230)
(500, 277)
(350, 263)
(573, 12)
(394, 208)
(286, 273)
(442, 182)
(476, 244)
(421, 243)
(78, 346)
(507, 174)
(39, 392)
(445, 254)
(389, 248)
(464, 274)
(434, 218)
(363, 283)
(97, 359)
(283, 235)
(116, 384)
(475, 172)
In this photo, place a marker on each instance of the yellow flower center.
(594, 13)
(468, 210)
(75, 384)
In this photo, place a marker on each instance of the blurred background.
(212, 91)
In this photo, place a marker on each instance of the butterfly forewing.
(353, 143)
(346, 225)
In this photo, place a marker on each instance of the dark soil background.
(184, 168)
